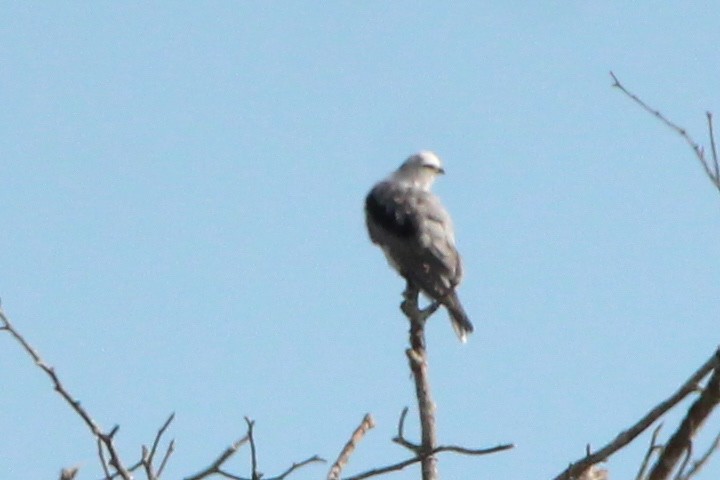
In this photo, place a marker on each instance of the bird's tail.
(458, 318)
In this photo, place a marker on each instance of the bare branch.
(700, 462)
(627, 436)
(417, 358)
(693, 421)
(159, 436)
(685, 462)
(103, 461)
(166, 457)
(214, 467)
(410, 461)
(712, 173)
(337, 467)
(295, 466)
(473, 451)
(652, 448)
(400, 438)
(383, 470)
(253, 452)
(148, 457)
(105, 439)
(713, 149)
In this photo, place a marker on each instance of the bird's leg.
(430, 309)
(411, 292)
(410, 307)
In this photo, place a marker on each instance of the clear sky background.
(182, 227)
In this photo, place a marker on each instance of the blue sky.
(182, 225)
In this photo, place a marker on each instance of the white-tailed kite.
(415, 231)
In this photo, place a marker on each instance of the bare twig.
(253, 452)
(337, 467)
(712, 172)
(410, 461)
(149, 456)
(693, 421)
(106, 439)
(627, 436)
(400, 437)
(426, 451)
(295, 466)
(166, 457)
(103, 461)
(652, 448)
(417, 357)
(713, 149)
(159, 436)
(700, 462)
(215, 467)
(383, 470)
(685, 462)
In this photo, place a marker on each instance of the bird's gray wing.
(416, 233)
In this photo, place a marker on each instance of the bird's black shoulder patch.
(390, 216)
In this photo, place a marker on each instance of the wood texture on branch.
(626, 436)
(681, 440)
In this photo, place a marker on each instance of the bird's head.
(420, 169)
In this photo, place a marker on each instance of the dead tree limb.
(417, 358)
(712, 171)
(625, 437)
(148, 455)
(216, 466)
(426, 451)
(652, 449)
(411, 461)
(700, 462)
(105, 440)
(109, 458)
(681, 440)
(337, 467)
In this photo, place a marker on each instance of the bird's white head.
(420, 170)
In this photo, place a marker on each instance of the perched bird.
(415, 231)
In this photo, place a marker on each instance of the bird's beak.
(441, 171)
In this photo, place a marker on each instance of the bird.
(411, 226)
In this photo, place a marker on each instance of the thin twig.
(713, 149)
(106, 439)
(166, 457)
(253, 452)
(342, 459)
(159, 435)
(295, 466)
(652, 448)
(400, 438)
(627, 436)
(148, 457)
(214, 467)
(714, 176)
(700, 462)
(693, 421)
(103, 462)
(410, 461)
(685, 462)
